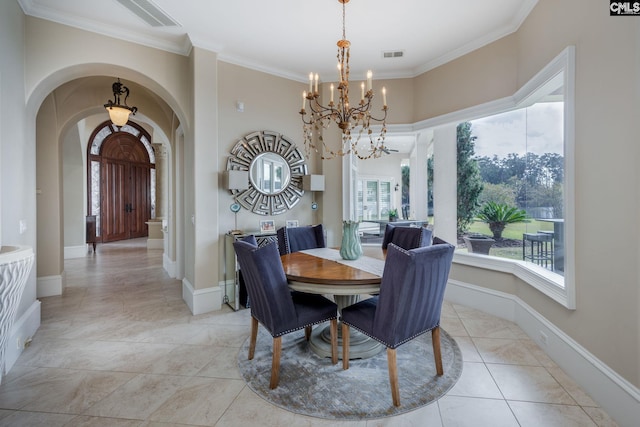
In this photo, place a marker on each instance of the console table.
(235, 294)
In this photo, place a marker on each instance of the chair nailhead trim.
(287, 248)
(304, 326)
(387, 344)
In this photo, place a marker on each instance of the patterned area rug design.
(312, 386)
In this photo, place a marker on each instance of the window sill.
(547, 282)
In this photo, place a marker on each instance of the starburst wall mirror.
(275, 167)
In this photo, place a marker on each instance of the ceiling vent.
(149, 13)
(393, 54)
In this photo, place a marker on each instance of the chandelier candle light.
(346, 117)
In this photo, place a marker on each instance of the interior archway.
(77, 107)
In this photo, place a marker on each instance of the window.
(550, 93)
(373, 198)
(519, 156)
(546, 174)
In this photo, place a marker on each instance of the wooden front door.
(126, 184)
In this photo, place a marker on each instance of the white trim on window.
(544, 280)
(560, 289)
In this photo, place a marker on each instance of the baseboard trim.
(23, 329)
(79, 251)
(48, 286)
(155, 243)
(618, 397)
(201, 301)
(169, 265)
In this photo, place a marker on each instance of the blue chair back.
(406, 237)
(296, 239)
(251, 239)
(411, 292)
(271, 301)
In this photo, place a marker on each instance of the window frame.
(560, 289)
(379, 180)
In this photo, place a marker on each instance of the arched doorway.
(121, 175)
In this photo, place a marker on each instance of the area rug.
(312, 386)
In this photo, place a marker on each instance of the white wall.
(17, 146)
(74, 189)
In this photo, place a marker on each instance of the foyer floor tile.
(120, 348)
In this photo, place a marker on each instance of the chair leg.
(345, 346)
(393, 376)
(275, 363)
(437, 355)
(307, 332)
(254, 336)
(334, 341)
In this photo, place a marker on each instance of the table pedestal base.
(360, 345)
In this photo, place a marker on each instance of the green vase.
(351, 247)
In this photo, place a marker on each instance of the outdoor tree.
(469, 179)
(498, 216)
(406, 184)
(499, 193)
(430, 185)
(534, 180)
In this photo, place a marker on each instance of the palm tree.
(498, 216)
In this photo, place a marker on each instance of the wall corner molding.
(48, 286)
(201, 301)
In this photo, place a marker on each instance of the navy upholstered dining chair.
(409, 304)
(294, 239)
(406, 237)
(273, 305)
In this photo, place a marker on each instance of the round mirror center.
(269, 173)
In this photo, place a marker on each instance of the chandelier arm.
(361, 108)
(316, 116)
(383, 119)
(320, 109)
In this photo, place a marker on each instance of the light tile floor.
(121, 348)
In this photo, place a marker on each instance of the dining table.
(323, 271)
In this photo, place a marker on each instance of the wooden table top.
(305, 268)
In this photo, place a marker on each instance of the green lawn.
(512, 231)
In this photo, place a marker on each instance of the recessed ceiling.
(290, 38)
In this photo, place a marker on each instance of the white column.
(418, 179)
(349, 177)
(445, 183)
(161, 180)
(201, 290)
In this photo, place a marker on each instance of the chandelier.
(119, 114)
(356, 118)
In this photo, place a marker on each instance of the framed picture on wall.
(267, 226)
(291, 223)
